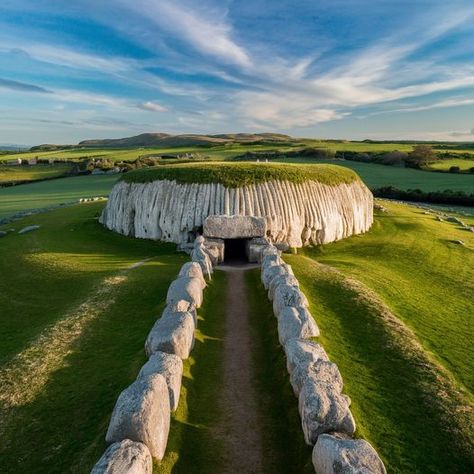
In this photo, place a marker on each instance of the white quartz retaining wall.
(296, 213)
(140, 422)
(326, 419)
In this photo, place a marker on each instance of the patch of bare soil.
(239, 428)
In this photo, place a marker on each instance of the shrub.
(454, 169)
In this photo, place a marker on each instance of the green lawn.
(242, 174)
(376, 176)
(47, 193)
(405, 379)
(74, 321)
(444, 165)
(31, 173)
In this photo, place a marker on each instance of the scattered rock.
(336, 454)
(28, 228)
(323, 409)
(142, 413)
(170, 366)
(296, 323)
(380, 208)
(125, 457)
(459, 242)
(3, 233)
(172, 333)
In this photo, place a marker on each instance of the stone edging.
(140, 422)
(326, 419)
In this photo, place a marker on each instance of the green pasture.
(48, 193)
(444, 165)
(376, 176)
(32, 173)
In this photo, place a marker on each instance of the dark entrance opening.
(235, 251)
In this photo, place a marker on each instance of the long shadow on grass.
(393, 400)
(280, 421)
(192, 447)
(63, 429)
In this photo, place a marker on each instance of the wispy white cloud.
(151, 107)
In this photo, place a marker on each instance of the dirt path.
(239, 429)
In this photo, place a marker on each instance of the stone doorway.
(235, 250)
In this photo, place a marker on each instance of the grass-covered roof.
(241, 174)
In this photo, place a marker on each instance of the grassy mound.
(235, 175)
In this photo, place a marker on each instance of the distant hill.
(165, 140)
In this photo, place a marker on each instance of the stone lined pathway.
(239, 428)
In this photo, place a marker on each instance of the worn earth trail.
(240, 428)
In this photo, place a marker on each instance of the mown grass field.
(58, 191)
(32, 173)
(74, 318)
(376, 176)
(410, 377)
(444, 165)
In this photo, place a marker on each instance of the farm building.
(240, 205)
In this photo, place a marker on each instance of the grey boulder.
(336, 454)
(173, 333)
(323, 409)
(300, 352)
(193, 270)
(296, 323)
(234, 227)
(170, 366)
(321, 370)
(286, 295)
(273, 271)
(285, 279)
(142, 413)
(125, 457)
(187, 289)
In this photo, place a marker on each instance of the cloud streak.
(22, 86)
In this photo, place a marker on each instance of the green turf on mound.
(241, 174)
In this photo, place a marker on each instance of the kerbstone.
(142, 413)
(125, 457)
(337, 454)
(170, 366)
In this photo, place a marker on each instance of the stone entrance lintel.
(234, 227)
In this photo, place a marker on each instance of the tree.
(420, 156)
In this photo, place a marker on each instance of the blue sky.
(380, 69)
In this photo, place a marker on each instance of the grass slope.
(48, 193)
(241, 174)
(74, 321)
(396, 373)
(444, 165)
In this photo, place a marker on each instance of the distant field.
(444, 165)
(31, 173)
(57, 191)
(376, 176)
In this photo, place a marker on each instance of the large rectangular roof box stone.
(234, 227)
